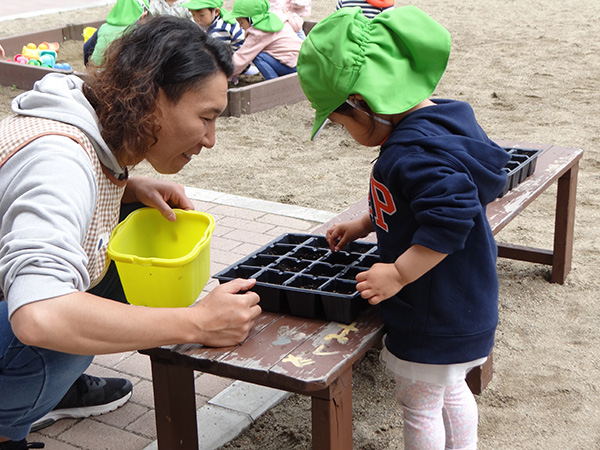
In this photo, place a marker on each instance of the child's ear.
(217, 11)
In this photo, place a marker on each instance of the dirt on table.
(530, 69)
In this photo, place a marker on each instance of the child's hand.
(383, 280)
(341, 234)
(379, 283)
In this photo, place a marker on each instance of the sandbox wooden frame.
(23, 76)
(249, 99)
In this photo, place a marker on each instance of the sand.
(530, 70)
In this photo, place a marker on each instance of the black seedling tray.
(521, 164)
(299, 274)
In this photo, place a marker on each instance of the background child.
(209, 15)
(270, 43)
(436, 284)
(286, 11)
(169, 8)
(121, 16)
(370, 8)
(300, 7)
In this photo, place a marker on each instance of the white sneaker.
(252, 70)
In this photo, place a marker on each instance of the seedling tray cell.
(341, 258)
(303, 296)
(267, 282)
(521, 165)
(309, 253)
(308, 283)
(278, 249)
(319, 241)
(293, 265)
(368, 260)
(336, 303)
(360, 247)
(325, 270)
(271, 276)
(300, 275)
(259, 260)
(242, 272)
(351, 272)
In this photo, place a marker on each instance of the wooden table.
(554, 165)
(306, 356)
(315, 358)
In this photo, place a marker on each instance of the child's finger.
(332, 238)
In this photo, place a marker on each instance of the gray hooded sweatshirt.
(47, 197)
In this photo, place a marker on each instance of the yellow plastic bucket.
(162, 263)
(88, 32)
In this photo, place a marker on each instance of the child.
(270, 43)
(370, 8)
(169, 8)
(286, 11)
(121, 16)
(300, 7)
(437, 170)
(209, 15)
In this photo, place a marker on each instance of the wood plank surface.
(254, 360)
(552, 163)
(319, 360)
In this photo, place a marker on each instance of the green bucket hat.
(126, 12)
(395, 61)
(258, 12)
(202, 4)
(210, 4)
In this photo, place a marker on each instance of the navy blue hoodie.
(430, 185)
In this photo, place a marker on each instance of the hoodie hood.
(59, 97)
(450, 128)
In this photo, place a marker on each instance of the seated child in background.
(300, 7)
(121, 16)
(169, 8)
(208, 14)
(370, 8)
(271, 42)
(286, 10)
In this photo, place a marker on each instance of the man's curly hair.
(165, 52)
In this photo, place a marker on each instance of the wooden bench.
(314, 357)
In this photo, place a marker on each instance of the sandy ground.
(530, 70)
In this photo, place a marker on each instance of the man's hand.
(160, 194)
(225, 316)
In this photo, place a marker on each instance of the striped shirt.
(368, 10)
(231, 34)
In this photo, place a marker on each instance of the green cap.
(202, 4)
(126, 12)
(258, 12)
(395, 61)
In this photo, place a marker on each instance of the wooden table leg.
(479, 377)
(332, 415)
(564, 225)
(175, 406)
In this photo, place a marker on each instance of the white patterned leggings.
(437, 417)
